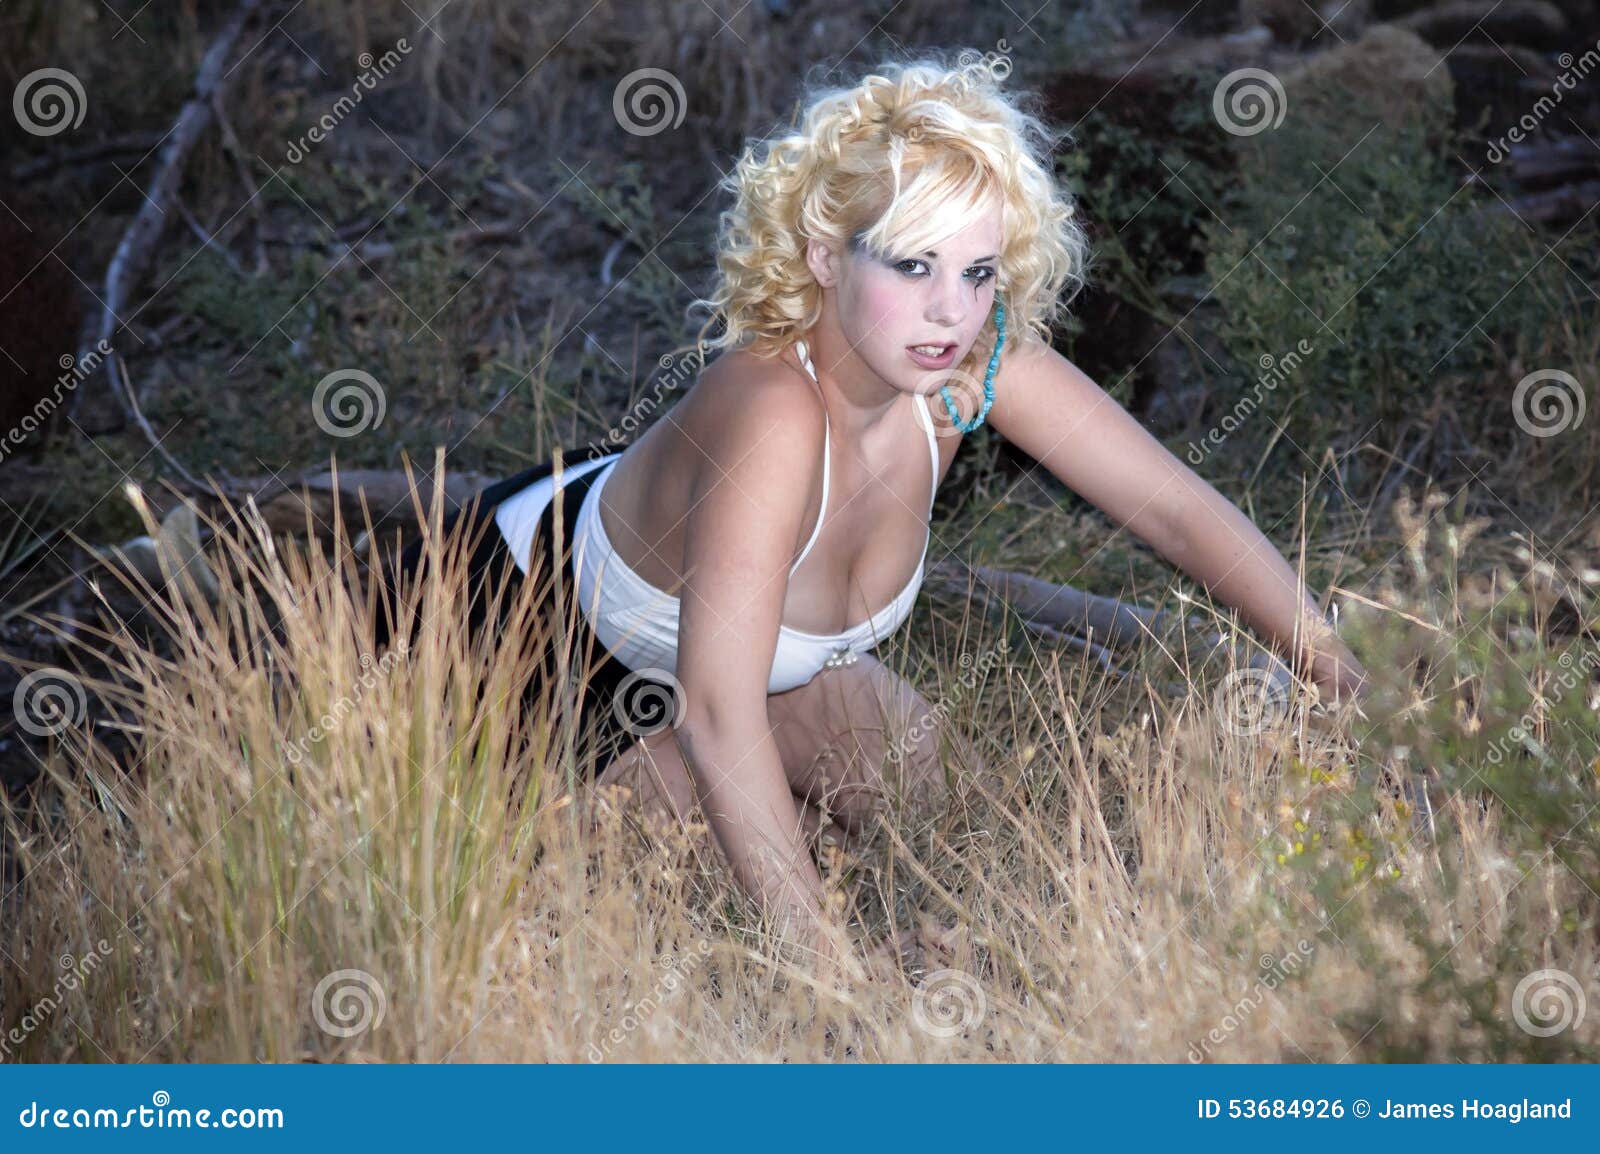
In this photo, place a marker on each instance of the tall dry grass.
(1126, 877)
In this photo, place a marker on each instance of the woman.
(750, 549)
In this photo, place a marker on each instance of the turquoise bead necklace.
(988, 378)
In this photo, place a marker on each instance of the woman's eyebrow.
(979, 260)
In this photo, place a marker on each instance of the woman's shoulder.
(746, 404)
(745, 368)
(743, 392)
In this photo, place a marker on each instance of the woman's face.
(936, 298)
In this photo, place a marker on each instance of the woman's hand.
(1340, 679)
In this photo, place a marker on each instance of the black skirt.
(616, 706)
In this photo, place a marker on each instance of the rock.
(1390, 70)
(174, 554)
(1314, 25)
(1530, 23)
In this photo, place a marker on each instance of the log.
(285, 501)
(1529, 23)
(1096, 623)
(1542, 163)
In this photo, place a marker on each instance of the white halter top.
(638, 622)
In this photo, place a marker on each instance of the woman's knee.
(653, 768)
(842, 784)
(913, 759)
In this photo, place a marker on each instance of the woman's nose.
(947, 306)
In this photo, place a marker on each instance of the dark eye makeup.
(988, 273)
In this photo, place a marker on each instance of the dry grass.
(1126, 880)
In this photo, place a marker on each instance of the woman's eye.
(908, 261)
(988, 274)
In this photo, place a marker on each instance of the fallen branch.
(141, 144)
(286, 502)
(1064, 614)
(136, 251)
(491, 233)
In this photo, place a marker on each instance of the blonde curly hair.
(894, 163)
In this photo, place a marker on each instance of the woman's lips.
(928, 362)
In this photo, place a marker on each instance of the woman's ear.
(823, 262)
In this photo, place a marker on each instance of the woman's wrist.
(1338, 676)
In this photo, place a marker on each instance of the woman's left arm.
(1050, 410)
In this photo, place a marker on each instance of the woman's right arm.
(739, 541)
